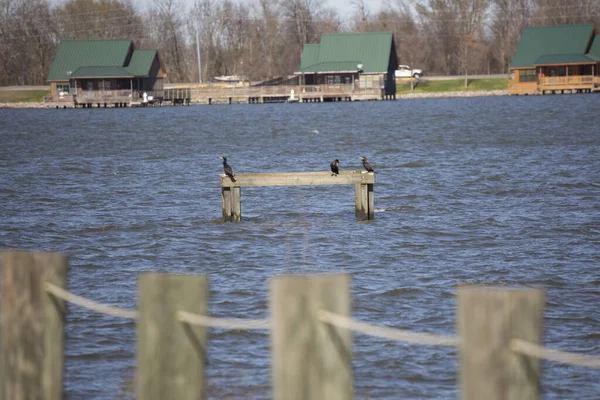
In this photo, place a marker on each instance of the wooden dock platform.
(363, 182)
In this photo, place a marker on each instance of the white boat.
(228, 78)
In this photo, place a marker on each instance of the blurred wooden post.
(310, 359)
(32, 326)
(170, 354)
(487, 321)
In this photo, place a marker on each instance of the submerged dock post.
(364, 201)
(363, 182)
(232, 203)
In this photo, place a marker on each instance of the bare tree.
(360, 19)
(167, 20)
(27, 41)
(89, 19)
(509, 18)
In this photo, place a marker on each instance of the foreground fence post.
(32, 326)
(310, 359)
(487, 320)
(170, 354)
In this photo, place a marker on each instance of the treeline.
(260, 39)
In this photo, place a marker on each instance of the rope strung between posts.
(387, 333)
(563, 357)
(341, 321)
(223, 323)
(89, 304)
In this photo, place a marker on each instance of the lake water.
(500, 191)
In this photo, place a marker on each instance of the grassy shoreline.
(454, 85)
(22, 96)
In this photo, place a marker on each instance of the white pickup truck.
(404, 71)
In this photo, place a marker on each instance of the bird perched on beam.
(335, 167)
(367, 164)
(227, 169)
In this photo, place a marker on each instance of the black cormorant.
(367, 164)
(227, 169)
(335, 166)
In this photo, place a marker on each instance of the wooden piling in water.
(170, 354)
(363, 181)
(487, 321)
(310, 359)
(32, 329)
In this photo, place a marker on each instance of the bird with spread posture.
(367, 164)
(335, 167)
(227, 169)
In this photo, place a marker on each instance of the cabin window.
(562, 71)
(334, 79)
(586, 70)
(527, 75)
(65, 89)
(89, 85)
(107, 85)
(368, 81)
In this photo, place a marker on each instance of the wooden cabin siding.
(523, 88)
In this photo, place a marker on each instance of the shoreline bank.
(405, 96)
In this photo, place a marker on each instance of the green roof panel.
(141, 62)
(310, 55)
(371, 49)
(551, 40)
(101, 72)
(550, 59)
(594, 52)
(73, 54)
(339, 66)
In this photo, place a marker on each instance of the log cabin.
(556, 59)
(364, 60)
(87, 72)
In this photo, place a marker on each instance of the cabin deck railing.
(275, 91)
(102, 95)
(567, 80)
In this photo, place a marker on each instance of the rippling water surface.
(500, 191)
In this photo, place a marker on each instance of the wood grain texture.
(310, 359)
(236, 204)
(226, 203)
(298, 179)
(487, 320)
(170, 354)
(32, 329)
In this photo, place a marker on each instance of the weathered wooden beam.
(170, 354)
(310, 359)
(32, 329)
(364, 202)
(299, 179)
(487, 320)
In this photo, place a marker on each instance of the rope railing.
(223, 323)
(516, 345)
(89, 304)
(342, 321)
(563, 357)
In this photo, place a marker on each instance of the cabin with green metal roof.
(114, 72)
(556, 59)
(357, 61)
